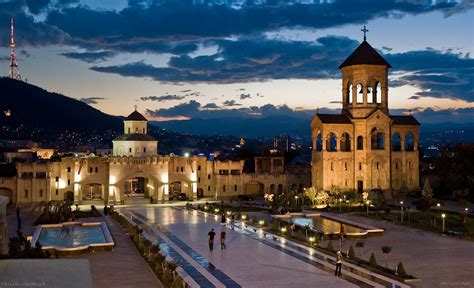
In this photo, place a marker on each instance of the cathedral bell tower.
(364, 81)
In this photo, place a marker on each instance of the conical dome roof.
(135, 116)
(365, 54)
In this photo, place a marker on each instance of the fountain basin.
(74, 237)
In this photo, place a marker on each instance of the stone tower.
(364, 148)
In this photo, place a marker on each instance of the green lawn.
(429, 221)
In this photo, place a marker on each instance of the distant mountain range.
(249, 128)
(34, 107)
(295, 127)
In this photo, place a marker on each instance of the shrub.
(373, 261)
(422, 204)
(330, 247)
(159, 269)
(401, 270)
(275, 225)
(352, 254)
(300, 235)
(167, 277)
(177, 282)
(254, 219)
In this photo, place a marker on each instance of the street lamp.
(438, 205)
(367, 204)
(401, 209)
(340, 205)
(296, 199)
(443, 216)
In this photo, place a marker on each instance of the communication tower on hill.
(14, 71)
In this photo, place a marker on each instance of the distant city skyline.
(214, 59)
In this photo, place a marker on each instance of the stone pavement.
(245, 263)
(122, 267)
(440, 261)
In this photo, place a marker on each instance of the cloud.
(245, 96)
(387, 49)
(162, 98)
(90, 57)
(194, 109)
(335, 102)
(25, 53)
(37, 6)
(441, 74)
(210, 106)
(91, 100)
(429, 115)
(28, 32)
(414, 97)
(236, 62)
(230, 103)
(167, 20)
(437, 73)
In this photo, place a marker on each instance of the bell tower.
(364, 81)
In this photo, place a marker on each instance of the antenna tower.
(13, 72)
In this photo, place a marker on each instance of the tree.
(359, 244)
(321, 197)
(373, 261)
(427, 192)
(330, 247)
(351, 253)
(386, 250)
(311, 194)
(401, 270)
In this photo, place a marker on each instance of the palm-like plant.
(386, 250)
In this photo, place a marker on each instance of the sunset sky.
(185, 59)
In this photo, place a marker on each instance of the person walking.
(223, 240)
(151, 199)
(232, 220)
(223, 219)
(338, 263)
(211, 236)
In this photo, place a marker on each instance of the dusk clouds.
(215, 42)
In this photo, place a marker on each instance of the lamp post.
(401, 210)
(443, 216)
(438, 205)
(296, 199)
(340, 205)
(367, 204)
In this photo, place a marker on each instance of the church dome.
(365, 54)
(135, 116)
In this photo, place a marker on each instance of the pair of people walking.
(211, 236)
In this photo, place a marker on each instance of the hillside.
(35, 107)
(267, 127)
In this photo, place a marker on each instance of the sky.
(182, 59)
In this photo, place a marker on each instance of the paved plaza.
(440, 261)
(246, 262)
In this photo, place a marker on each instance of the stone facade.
(365, 147)
(114, 179)
(3, 225)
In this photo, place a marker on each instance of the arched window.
(349, 94)
(345, 142)
(396, 142)
(370, 95)
(409, 142)
(377, 139)
(378, 92)
(331, 144)
(360, 94)
(360, 143)
(319, 142)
